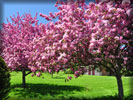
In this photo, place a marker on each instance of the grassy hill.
(85, 87)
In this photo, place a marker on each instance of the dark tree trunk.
(52, 74)
(23, 79)
(120, 87)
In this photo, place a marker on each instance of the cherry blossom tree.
(16, 39)
(62, 44)
(98, 33)
(111, 43)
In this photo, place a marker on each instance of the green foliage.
(129, 73)
(68, 71)
(4, 80)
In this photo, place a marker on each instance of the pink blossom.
(69, 77)
(33, 69)
(38, 74)
(51, 15)
(130, 12)
(76, 74)
(32, 74)
(49, 70)
(45, 16)
(125, 58)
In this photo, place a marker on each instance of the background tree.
(16, 38)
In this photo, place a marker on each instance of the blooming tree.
(16, 39)
(64, 42)
(111, 43)
(98, 34)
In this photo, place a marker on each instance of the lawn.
(85, 87)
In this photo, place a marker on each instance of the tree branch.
(28, 73)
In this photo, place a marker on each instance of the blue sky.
(11, 8)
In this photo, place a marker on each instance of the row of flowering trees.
(97, 34)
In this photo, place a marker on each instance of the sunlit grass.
(85, 87)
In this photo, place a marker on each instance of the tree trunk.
(23, 79)
(52, 74)
(120, 87)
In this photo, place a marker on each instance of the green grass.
(84, 88)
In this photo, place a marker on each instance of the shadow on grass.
(40, 90)
(58, 77)
(130, 97)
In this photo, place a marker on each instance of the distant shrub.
(68, 71)
(4, 80)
